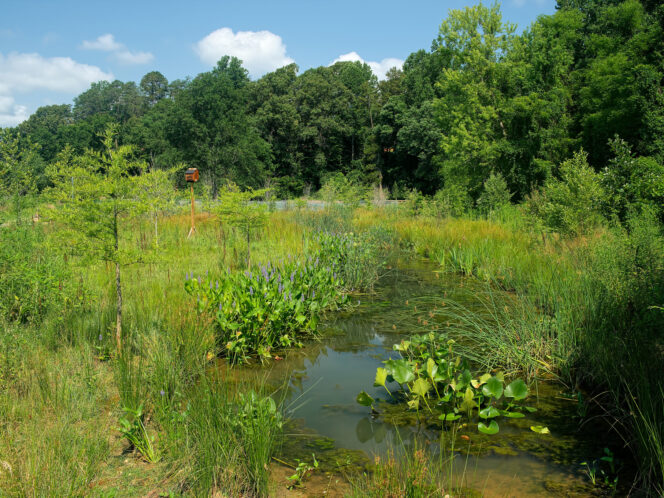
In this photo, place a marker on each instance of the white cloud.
(105, 43)
(11, 114)
(127, 57)
(260, 51)
(108, 43)
(378, 68)
(27, 72)
(24, 73)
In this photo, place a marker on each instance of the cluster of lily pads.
(429, 375)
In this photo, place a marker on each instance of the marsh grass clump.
(411, 473)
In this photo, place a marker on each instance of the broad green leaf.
(449, 417)
(468, 402)
(432, 369)
(540, 429)
(400, 371)
(491, 429)
(421, 387)
(484, 378)
(414, 404)
(489, 412)
(364, 399)
(508, 414)
(529, 409)
(493, 388)
(517, 390)
(381, 377)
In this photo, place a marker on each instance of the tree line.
(482, 103)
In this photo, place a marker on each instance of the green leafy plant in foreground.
(271, 307)
(302, 470)
(133, 429)
(431, 376)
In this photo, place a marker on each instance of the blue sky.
(52, 50)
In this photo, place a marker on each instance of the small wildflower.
(217, 286)
(101, 337)
(186, 276)
(251, 291)
(162, 392)
(199, 280)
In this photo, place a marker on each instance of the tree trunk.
(248, 250)
(118, 285)
(118, 311)
(156, 230)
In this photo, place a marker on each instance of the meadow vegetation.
(530, 162)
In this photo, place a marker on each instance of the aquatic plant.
(273, 306)
(430, 375)
(133, 429)
(302, 470)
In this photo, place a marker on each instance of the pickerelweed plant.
(271, 307)
(431, 376)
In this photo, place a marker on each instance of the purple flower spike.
(251, 291)
(186, 276)
(219, 306)
(199, 280)
(162, 392)
(101, 337)
(302, 298)
(217, 285)
(313, 294)
(210, 284)
(292, 277)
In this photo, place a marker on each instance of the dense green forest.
(481, 101)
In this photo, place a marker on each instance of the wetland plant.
(431, 376)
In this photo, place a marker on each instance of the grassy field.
(78, 417)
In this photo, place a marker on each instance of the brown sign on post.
(191, 175)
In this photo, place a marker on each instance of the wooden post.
(193, 226)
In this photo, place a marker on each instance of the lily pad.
(421, 387)
(489, 412)
(517, 390)
(381, 377)
(364, 399)
(493, 388)
(540, 429)
(448, 417)
(400, 371)
(491, 429)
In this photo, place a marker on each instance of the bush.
(33, 281)
(452, 200)
(495, 196)
(632, 183)
(570, 205)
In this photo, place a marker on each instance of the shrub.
(570, 205)
(33, 280)
(452, 200)
(495, 196)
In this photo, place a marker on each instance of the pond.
(324, 378)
